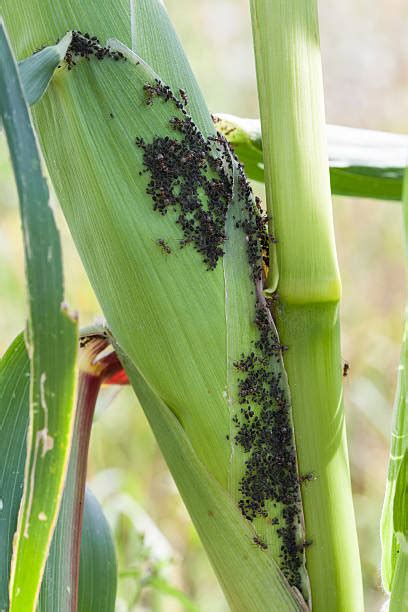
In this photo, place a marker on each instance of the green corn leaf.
(193, 320)
(51, 342)
(363, 163)
(37, 70)
(98, 575)
(93, 588)
(154, 39)
(250, 578)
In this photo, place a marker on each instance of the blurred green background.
(365, 62)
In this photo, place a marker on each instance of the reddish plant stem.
(88, 389)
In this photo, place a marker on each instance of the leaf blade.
(52, 346)
(363, 163)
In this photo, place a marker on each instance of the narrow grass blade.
(363, 163)
(51, 342)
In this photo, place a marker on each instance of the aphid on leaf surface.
(163, 245)
(346, 368)
(260, 543)
(183, 96)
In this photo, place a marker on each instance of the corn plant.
(221, 313)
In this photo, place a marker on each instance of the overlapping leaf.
(363, 163)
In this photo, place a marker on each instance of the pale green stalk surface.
(298, 198)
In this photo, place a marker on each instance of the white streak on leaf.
(26, 233)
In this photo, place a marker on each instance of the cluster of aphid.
(187, 178)
(264, 428)
(254, 224)
(86, 46)
(194, 177)
(264, 431)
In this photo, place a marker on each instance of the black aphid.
(260, 543)
(183, 96)
(346, 368)
(86, 46)
(163, 245)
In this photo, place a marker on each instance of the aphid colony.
(187, 178)
(265, 433)
(180, 169)
(84, 45)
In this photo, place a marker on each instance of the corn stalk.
(307, 281)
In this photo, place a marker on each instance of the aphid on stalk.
(163, 245)
(346, 368)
